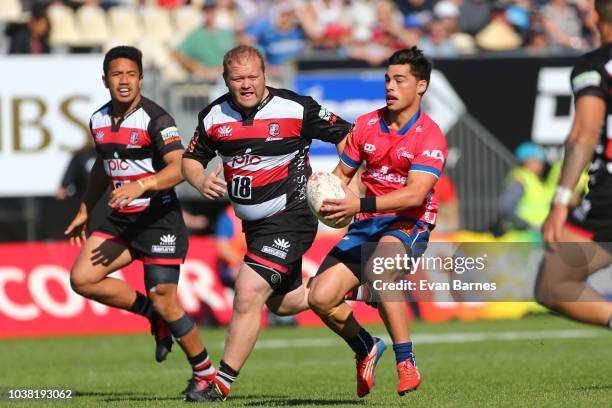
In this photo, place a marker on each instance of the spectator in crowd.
(473, 15)
(436, 42)
(525, 200)
(386, 36)
(33, 38)
(201, 53)
(283, 36)
(563, 22)
(498, 35)
(422, 10)
(332, 22)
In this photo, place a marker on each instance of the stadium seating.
(64, 32)
(186, 19)
(92, 25)
(10, 10)
(157, 23)
(125, 24)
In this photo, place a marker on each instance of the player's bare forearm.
(344, 173)
(168, 177)
(340, 146)
(410, 196)
(590, 113)
(98, 181)
(193, 171)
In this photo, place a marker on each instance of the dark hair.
(420, 66)
(123, 51)
(241, 54)
(604, 10)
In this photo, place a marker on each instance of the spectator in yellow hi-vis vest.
(525, 200)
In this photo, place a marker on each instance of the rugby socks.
(360, 293)
(362, 343)
(403, 352)
(201, 366)
(142, 306)
(225, 377)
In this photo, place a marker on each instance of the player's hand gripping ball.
(323, 185)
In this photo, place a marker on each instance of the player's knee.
(319, 302)
(244, 302)
(165, 304)
(80, 284)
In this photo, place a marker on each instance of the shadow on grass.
(282, 402)
(595, 387)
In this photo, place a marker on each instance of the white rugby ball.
(321, 186)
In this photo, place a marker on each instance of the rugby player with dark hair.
(138, 152)
(573, 252)
(262, 135)
(404, 152)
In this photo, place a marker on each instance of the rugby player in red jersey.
(138, 152)
(404, 153)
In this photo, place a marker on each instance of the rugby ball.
(321, 186)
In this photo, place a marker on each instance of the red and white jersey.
(390, 155)
(134, 147)
(265, 151)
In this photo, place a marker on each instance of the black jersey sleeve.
(589, 78)
(319, 123)
(200, 147)
(164, 134)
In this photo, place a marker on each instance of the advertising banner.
(45, 107)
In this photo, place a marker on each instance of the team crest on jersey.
(402, 152)
(99, 136)
(274, 129)
(134, 137)
(225, 131)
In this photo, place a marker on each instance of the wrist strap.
(367, 205)
(563, 195)
(141, 184)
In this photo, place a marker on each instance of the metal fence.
(477, 164)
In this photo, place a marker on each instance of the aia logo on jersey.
(369, 148)
(99, 136)
(434, 154)
(403, 153)
(225, 131)
(134, 138)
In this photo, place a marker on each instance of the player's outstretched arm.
(96, 186)
(210, 186)
(579, 147)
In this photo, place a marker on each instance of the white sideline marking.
(438, 338)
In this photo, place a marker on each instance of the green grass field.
(538, 361)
